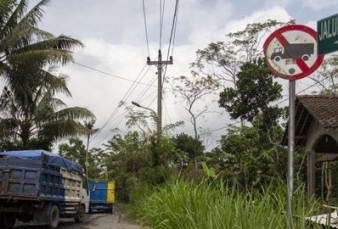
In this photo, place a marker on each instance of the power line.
(171, 44)
(120, 118)
(161, 21)
(109, 74)
(132, 88)
(145, 26)
(173, 29)
(124, 97)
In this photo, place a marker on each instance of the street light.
(138, 105)
(155, 115)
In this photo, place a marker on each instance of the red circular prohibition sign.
(278, 34)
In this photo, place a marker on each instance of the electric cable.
(109, 74)
(162, 6)
(145, 26)
(132, 88)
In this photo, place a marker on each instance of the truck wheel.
(54, 216)
(80, 214)
(7, 220)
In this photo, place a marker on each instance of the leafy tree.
(326, 78)
(223, 59)
(74, 150)
(254, 91)
(251, 161)
(193, 91)
(125, 157)
(189, 145)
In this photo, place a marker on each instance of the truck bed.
(39, 176)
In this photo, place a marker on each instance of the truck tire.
(7, 220)
(80, 214)
(54, 216)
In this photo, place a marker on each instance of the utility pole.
(159, 65)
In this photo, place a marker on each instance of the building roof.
(309, 108)
(328, 157)
(324, 108)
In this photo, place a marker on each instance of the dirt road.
(92, 221)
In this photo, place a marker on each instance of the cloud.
(274, 13)
(113, 62)
(317, 5)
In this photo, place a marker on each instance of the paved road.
(92, 221)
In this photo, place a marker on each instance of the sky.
(119, 35)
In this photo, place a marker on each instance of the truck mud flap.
(41, 217)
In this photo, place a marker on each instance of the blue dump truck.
(40, 187)
(102, 196)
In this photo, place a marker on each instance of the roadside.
(92, 221)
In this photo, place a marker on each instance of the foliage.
(181, 204)
(124, 158)
(223, 59)
(193, 92)
(248, 158)
(189, 145)
(254, 91)
(22, 42)
(209, 172)
(327, 76)
(74, 150)
(29, 109)
(33, 111)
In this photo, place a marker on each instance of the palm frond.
(49, 56)
(74, 113)
(62, 128)
(35, 14)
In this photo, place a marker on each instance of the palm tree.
(89, 126)
(28, 58)
(21, 40)
(32, 110)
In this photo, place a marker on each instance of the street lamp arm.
(138, 105)
(135, 104)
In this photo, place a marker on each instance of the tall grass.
(186, 205)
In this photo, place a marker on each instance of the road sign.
(291, 52)
(327, 34)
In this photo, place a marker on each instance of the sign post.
(291, 53)
(327, 34)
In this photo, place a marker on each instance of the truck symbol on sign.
(293, 51)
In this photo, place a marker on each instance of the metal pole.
(159, 95)
(291, 143)
(87, 152)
